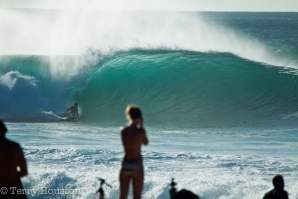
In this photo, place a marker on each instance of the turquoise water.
(182, 88)
(218, 92)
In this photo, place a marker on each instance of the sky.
(176, 5)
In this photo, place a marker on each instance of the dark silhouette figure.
(278, 192)
(185, 194)
(182, 194)
(74, 112)
(133, 136)
(12, 167)
(100, 189)
(173, 190)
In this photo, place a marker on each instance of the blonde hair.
(133, 112)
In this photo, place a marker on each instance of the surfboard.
(68, 118)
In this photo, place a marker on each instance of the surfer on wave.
(74, 112)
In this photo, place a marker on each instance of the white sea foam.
(75, 32)
(210, 176)
(71, 156)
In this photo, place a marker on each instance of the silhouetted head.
(76, 104)
(278, 181)
(182, 194)
(133, 112)
(3, 128)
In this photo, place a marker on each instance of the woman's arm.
(145, 140)
(144, 136)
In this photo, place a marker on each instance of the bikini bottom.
(130, 166)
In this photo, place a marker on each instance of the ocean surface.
(218, 92)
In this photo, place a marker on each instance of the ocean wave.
(183, 88)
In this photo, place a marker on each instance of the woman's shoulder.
(131, 129)
(123, 128)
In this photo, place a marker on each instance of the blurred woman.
(133, 136)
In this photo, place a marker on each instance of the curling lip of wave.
(74, 32)
(208, 88)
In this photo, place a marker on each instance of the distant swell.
(173, 88)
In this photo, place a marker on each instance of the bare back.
(132, 140)
(132, 170)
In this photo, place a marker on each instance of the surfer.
(13, 166)
(133, 136)
(278, 191)
(74, 112)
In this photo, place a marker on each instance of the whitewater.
(217, 89)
